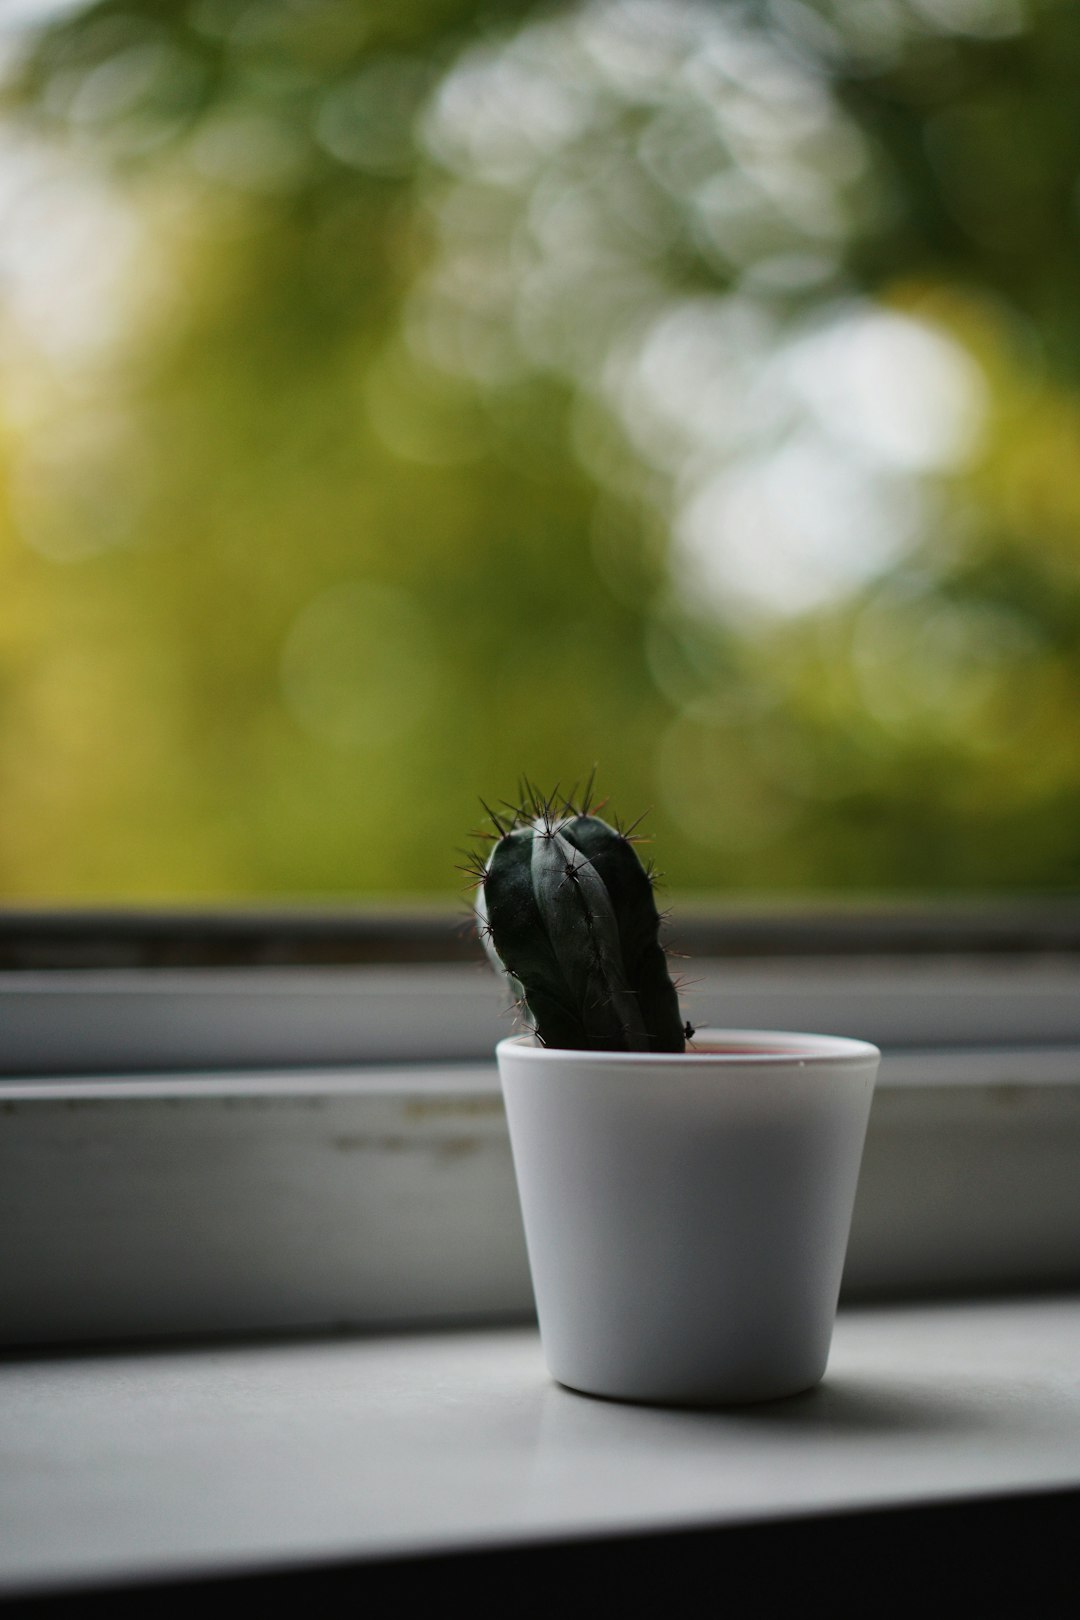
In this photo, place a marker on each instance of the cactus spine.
(566, 910)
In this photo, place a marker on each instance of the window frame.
(228, 1147)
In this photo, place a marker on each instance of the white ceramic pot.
(687, 1214)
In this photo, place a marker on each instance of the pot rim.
(798, 1050)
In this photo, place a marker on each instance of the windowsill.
(201, 1460)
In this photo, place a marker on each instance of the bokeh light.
(397, 400)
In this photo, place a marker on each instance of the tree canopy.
(394, 400)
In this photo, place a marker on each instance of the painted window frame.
(290, 1120)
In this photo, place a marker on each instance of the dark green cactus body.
(567, 910)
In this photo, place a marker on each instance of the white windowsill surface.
(210, 1459)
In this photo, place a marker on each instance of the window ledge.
(204, 1460)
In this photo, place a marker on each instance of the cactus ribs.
(566, 910)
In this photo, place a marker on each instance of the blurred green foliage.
(394, 400)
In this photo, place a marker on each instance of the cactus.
(566, 911)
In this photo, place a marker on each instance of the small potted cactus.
(686, 1195)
